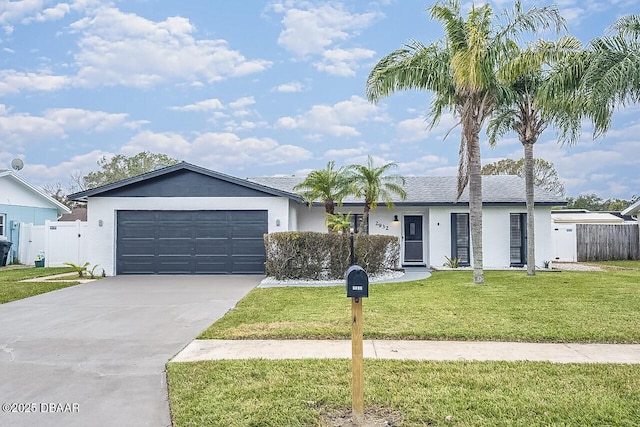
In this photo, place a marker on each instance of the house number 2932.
(381, 225)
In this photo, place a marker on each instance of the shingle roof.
(437, 190)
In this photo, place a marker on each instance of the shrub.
(317, 256)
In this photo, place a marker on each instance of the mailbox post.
(357, 283)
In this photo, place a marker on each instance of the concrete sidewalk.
(410, 350)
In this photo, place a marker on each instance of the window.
(518, 233)
(2, 225)
(460, 238)
(356, 222)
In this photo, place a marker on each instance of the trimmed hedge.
(321, 256)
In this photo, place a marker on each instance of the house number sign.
(381, 225)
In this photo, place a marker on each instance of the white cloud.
(206, 105)
(12, 81)
(422, 165)
(218, 150)
(56, 123)
(318, 30)
(418, 128)
(170, 143)
(13, 11)
(334, 120)
(347, 153)
(290, 87)
(412, 129)
(243, 102)
(39, 174)
(244, 125)
(343, 62)
(71, 119)
(50, 14)
(118, 48)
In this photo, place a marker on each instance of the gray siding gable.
(183, 180)
(184, 183)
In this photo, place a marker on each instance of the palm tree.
(604, 77)
(329, 186)
(612, 76)
(338, 222)
(461, 71)
(371, 183)
(528, 117)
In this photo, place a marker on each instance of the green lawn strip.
(293, 392)
(635, 264)
(549, 307)
(12, 289)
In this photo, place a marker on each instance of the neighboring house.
(76, 214)
(576, 233)
(21, 202)
(632, 210)
(185, 219)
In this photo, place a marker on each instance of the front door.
(413, 238)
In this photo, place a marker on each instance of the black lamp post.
(352, 253)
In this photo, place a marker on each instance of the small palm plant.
(452, 262)
(80, 269)
(338, 222)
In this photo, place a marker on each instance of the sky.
(256, 88)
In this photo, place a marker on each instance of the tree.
(612, 74)
(544, 173)
(56, 192)
(338, 222)
(329, 186)
(603, 77)
(593, 202)
(461, 71)
(120, 167)
(373, 185)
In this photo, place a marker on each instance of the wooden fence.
(606, 242)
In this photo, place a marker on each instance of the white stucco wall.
(495, 234)
(102, 238)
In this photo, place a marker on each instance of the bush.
(320, 256)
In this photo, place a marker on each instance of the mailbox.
(357, 282)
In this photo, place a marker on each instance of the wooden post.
(357, 362)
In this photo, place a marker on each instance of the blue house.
(23, 202)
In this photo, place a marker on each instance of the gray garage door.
(190, 242)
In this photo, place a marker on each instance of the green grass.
(11, 289)
(622, 263)
(549, 307)
(293, 392)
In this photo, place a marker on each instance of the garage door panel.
(248, 247)
(213, 230)
(141, 230)
(177, 230)
(247, 216)
(139, 249)
(190, 242)
(250, 231)
(219, 216)
(212, 247)
(247, 265)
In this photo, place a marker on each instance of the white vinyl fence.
(60, 241)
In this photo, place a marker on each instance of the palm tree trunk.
(475, 206)
(364, 229)
(528, 177)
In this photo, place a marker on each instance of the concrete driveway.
(95, 354)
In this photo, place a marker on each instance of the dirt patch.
(373, 417)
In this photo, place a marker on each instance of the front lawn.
(11, 289)
(295, 392)
(549, 307)
(621, 263)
